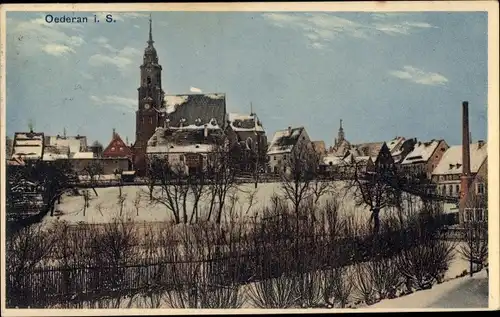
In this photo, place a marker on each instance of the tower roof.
(150, 55)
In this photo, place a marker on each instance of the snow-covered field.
(463, 292)
(138, 208)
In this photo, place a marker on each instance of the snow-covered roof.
(334, 160)
(421, 152)
(75, 144)
(368, 149)
(244, 122)
(128, 173)
(394, 144)
(191, 148)
(191, 107)
(83, 155)
(284, 140)
(451, 162)
(54, 156)
(28, 145)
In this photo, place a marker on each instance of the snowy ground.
(463, 292)
(105, 206)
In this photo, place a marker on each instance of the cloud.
(117, 102)
(53, 39)
(120, 58)
(322, 27)
(194, 89)
(57, 49)
(419, 76)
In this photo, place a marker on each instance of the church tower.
(150, 100)
(340, 137)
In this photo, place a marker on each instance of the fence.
(265, 254)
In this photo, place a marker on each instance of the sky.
(383, 74)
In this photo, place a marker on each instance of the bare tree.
(298, 173)
(26, 249)
(374, 187)
(137, 202)
(94, 170)
(221, 173)
(474, 248)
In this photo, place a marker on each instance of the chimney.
(465, 177)
(480, 144)
(289, 131)
(205, 131)
(114, 133)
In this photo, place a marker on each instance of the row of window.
(475, 215)
(454, 189)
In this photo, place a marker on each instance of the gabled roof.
(28, 145)
(244, 123)
(368, 149)
(193, 107)
(117, 148)
(451, 162)
(422, 152)
(395, 144)
(284, 140)
(74, 143)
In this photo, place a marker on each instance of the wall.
(109, 165)
(474, 198)
(435, 158)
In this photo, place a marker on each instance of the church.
(158, 110)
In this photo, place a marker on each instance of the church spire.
(340, 136)
(150, 41)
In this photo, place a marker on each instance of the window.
(284, 157)
(480, 188)
(142, 120)
(181, 158)
(457, 189)
(149, 80)
(121, 149)
(151, 120)
(274, 157)
(112, 149)
(475, 215)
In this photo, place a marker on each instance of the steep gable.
(117, 148)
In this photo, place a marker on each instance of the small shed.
(128, 176)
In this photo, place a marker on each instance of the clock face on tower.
(146, 106)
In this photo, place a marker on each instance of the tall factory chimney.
(466, 173)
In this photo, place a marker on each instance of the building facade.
(284, 144)
(448, 172)
(423, 159)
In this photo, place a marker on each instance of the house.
(118, 151)
(424, 158)
(474, 205)
(400, 147)
(28, 145)
(344, 167)
(63, 142)
(283, 146)
(186, 148)
(248, 140)
(447, 174)
(319, 147)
